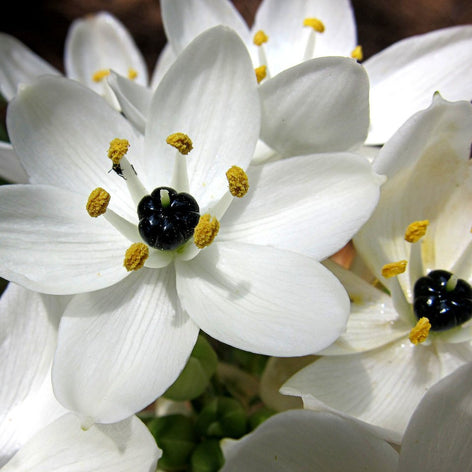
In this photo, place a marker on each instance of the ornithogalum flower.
(185, 248)
(36, 432)
(402, 77)
(402, 340)
(437, 438)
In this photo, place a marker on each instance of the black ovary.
(444, 308)
(167, 227)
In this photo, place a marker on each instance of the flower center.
(167, 219)
(442, 298)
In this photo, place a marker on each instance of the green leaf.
(175, 435)
(196, 375)
(207, 457)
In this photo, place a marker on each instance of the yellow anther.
(394, 268)
(420, 332)
(181, 142)
(132, 73)
(416, 231)
(260, 38)
(117, 150)
(238, 181)
(357, 53)
(97, 202)
(100, 75)
(261, 73)
(314, 23)
(206, 231)
(136, 256)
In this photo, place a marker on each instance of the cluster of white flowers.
(210, 199)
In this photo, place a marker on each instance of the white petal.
(210, 93)
(382, 387)
(100, 42)
(50, 244)
(320, 105)
(164, 61)
(10, 165)
(310, 204)
(69, 148)
(121, 348)
(19, 65)
(282, 21)
(301, 440)
(262, 299)
(438, 435)
(134, 99)
(373, 321)
(184, 20)
(28, 327)
(65, 447)
(404, 76)
(433, 143)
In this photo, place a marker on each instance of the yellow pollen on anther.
(181, 142)
(394, 268)
(118, 149)
(136, 256)
(357, 53)
(420, 332)
(261, 73)
(132, 73)
(416, 231)
(206, 231)
(100, 75)
(314, 23)
(260, 38)
(97, 202)
(238, 181)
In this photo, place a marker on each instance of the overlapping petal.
(120, 348)
(404, 76)
(10, 166)
(19, 65)
(100, 42)
(310, 204)
(50, 243)
(282, 21)
(238, 293)
(64, 446)
(321, 105)
(210, 94)
(28, 327)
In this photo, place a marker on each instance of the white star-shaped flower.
(379, 370)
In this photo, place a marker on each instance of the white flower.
(94, 45)
(373, 372)
(258, 286)
(437, 438)
(36, 432)
(402, 77)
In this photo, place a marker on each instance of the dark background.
(43, 25)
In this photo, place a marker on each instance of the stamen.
(261, 73)
(132, 73)
(260, 38)
(97, 202)
(238, 181)
(205, 231)
(357, 53)
(136, 256)
(181, 142)
(416, 231)
(314, 23)
(394, 268)
(118, 149)
(100, 75)
(420, 332)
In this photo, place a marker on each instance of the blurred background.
(42, 25)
